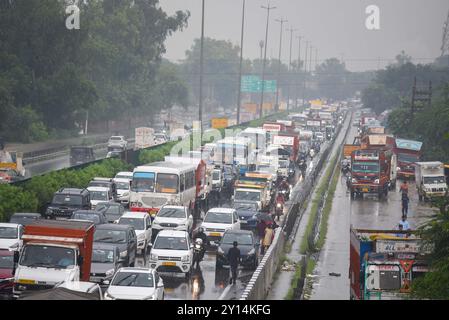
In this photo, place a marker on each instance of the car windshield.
(108, 208)
(8, 232)
(99, 184)
(67, 200)
(365, 167)
(98, 195)
(119, 176)
(404, 157)
(167, 183)
(137, 223)
(172, 213)
(116, 138)
(47, 256)
(245, 206)
(122, 185)
(110, 236)
(87, 216)
(283, 164)
(247, 195)
(171, 243)
(133, 279)
(434, 180)
(6, 262)
(102, 256)
(243, 239)
(218, 217)
(143, 182)
(216, 175)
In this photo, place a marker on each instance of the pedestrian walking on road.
(405, 201)
(268, 238)
(404, 223)
(234, 260)
(404, 187)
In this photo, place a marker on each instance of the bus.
(161, 183)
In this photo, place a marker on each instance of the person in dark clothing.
(405, 201)
(200, 234)
(234, 260)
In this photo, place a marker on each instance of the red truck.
(290, 141)
(370, 172)
(54, 251)
(408, 153)
(274, 126)
(384, 263)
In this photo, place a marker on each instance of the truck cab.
(53, 252)
(254, 187)
(430, 180)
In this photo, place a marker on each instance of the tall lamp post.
(298, 70)
(239, 96)
(289, 67)
(268, 8)
(200, 111)
(276, 106)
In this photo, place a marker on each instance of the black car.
(24, 218)
(121, 235)
(96, 217)
(80, 155)
(66, 201)
(105, 262)
(246, 243)
(113, 211)
(106, 183)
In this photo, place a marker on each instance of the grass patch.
(295, 281)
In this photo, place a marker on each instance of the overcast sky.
(335, 27)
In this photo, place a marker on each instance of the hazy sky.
(335, 27)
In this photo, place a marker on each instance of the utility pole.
(298, 70)
(200, 112)
(304, 77)
(316, 58)
(420, 98)
(289, 67)
(268, 8)
(310, 60)
(261, 45)
(276, 106)
(239, 96)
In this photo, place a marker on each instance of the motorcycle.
(346, 169)
(285, 193)
(312, 153)
(279, 210)
(198, 251)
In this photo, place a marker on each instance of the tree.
(331, 79)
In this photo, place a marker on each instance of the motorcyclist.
(280, 199)
(201, 235)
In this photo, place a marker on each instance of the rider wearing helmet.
(200, 234)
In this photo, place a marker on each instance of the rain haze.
(335, 28)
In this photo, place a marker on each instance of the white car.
(173, 218)
(218, 220)
(141, 222)
(124, 175)
(83, 286)
(99, 194)
(172, 252)
(135, 284)
(117, 141)
(123, 189)
(11, 236)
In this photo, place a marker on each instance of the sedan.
(113, 211)
(246, 243)
(94, 216)
(247, 212)
(135, 284)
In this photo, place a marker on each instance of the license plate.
(169, 263)
(26, 281)
(215, 234)
(364, 189)
(243, 221)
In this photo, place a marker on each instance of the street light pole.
(276, 106)
(268, 8)
(289, 67)
(298, 70)
(200, 111)
(304, 77)
(239, 96)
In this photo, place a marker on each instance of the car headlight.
(185, 258)
(153, 256)
(123, 254)
(110, 272)
(49, 211)
(155, 222)
(125, 194)
(278, 205)
(251, 252)
(220, 251)
(108, 296)
(376, 181)
(398, 168)
(152, 297)
(353, 180)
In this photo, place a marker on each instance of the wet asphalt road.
(369, 213)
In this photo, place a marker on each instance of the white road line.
(225, 292)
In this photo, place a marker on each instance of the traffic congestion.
(166, 230)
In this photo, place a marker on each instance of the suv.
(123, 236)
(80, 155)
(99, 194)
(218, 220)
(117, 141)
(66, 201)
(173, 218)
(105, 182)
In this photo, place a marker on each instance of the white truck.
(430, 179)
(144, 138)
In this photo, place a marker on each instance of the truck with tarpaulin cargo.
(430, 180)
(254, 187)
(408, 153)
(53, 251)
(370, 172)
(289, 141)
(384, 263)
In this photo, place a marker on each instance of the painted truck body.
(430, 180)
(408, 153)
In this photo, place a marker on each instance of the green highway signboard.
(254, 84)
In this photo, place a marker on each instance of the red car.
(6, 272)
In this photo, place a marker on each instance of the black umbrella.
(263, 216)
